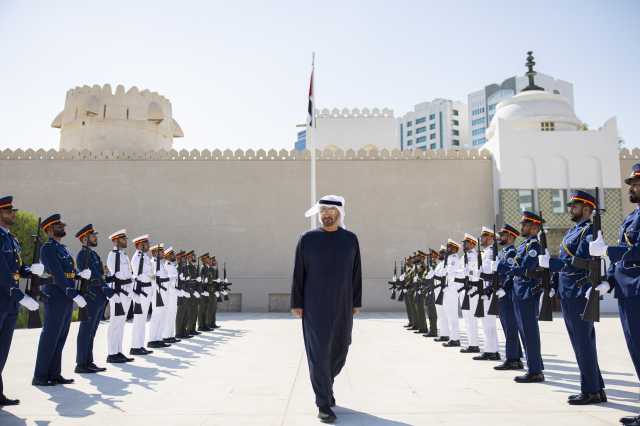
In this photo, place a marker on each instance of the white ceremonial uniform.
(450, 301)
(142, 281)
(115, 332)
(172, 300)
(159, 313)
(488, 321)
(443, 323)
(471, 271)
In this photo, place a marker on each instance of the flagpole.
(310, 140)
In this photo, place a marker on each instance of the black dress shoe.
(422, 331)
(470, 350)
(62, 381)
(196, 333)
(42, 382)
(326, 415)
(171, 340)
(408, 325)
(431, 334)
(586, 399)
(140, 351)
(96, 368)
(4, 401)
(217, 326)
(488, 356)
(441, 339)
(158, 344)
(452, 344)
(509, 365)
(115, 359)
(83, 369)
(530, 378)
(630, 421)
(186, 336)
(124, 357)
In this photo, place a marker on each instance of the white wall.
(354, 129)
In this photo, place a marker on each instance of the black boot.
(586, 399)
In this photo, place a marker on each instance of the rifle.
(494, 306)
(159, 302)
(465, 281)
(82, 285)
(394, 281)
(225, 282)
(479, 313)
(545, 285)
(442, 281)
(594, 267)
(34, 281)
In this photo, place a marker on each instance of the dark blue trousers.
(57, 319)
(87, 330)
(630, 318)
(7, 325)
(527, 318)
(583, 340)
(513, 349)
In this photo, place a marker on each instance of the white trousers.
(115, 332)
(140, 320)
(443, 322)
(489, 329)
(172, 311)
(450, 306)
(471, 322)
(158, 317)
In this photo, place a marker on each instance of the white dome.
(533, 107)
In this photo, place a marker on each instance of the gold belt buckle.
(16, 276)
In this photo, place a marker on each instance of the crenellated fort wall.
(247, 207)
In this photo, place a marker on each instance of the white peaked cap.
(169, 250)
(487, 230)
(443, 247)
(328, 201)
(453, 242)
(140, 238)
(469, 237)
(118, 234)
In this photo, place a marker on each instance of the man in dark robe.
(327, 293)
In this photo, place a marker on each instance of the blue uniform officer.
(624, 274)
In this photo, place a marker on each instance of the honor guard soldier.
(429, 297)
(440, 277)
(142, 276)
(215, 293)
(623, 275)
(193, 279)
(505, 261)
(120, 278)
(169, 332)
(11, 270)
(490, 349)
(468, 270)
(525, 298)
(204, 293)
(59, 294)
(582, 333)
(96, 292)
(183, 297)
(450, 302)
(159, 298)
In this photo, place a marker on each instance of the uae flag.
(311, 118)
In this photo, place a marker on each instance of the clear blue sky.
(237, 72)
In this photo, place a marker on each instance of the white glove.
(225, 292)
(206, 280)
(196, 295)
(501, 293)
(543, 259)
(552, 292)
(181, 276)
(598, 247)
(37, 269)
(205, 293)
(80, 301)
(187, 295)
(29, 303)
(602, 288)
(86, 274)
(494, 266)
(199, 279)
(217, 293)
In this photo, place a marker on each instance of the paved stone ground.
(254, 372)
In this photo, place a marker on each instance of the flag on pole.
(311, 118)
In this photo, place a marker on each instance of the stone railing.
(630, 154)
(241, 155)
